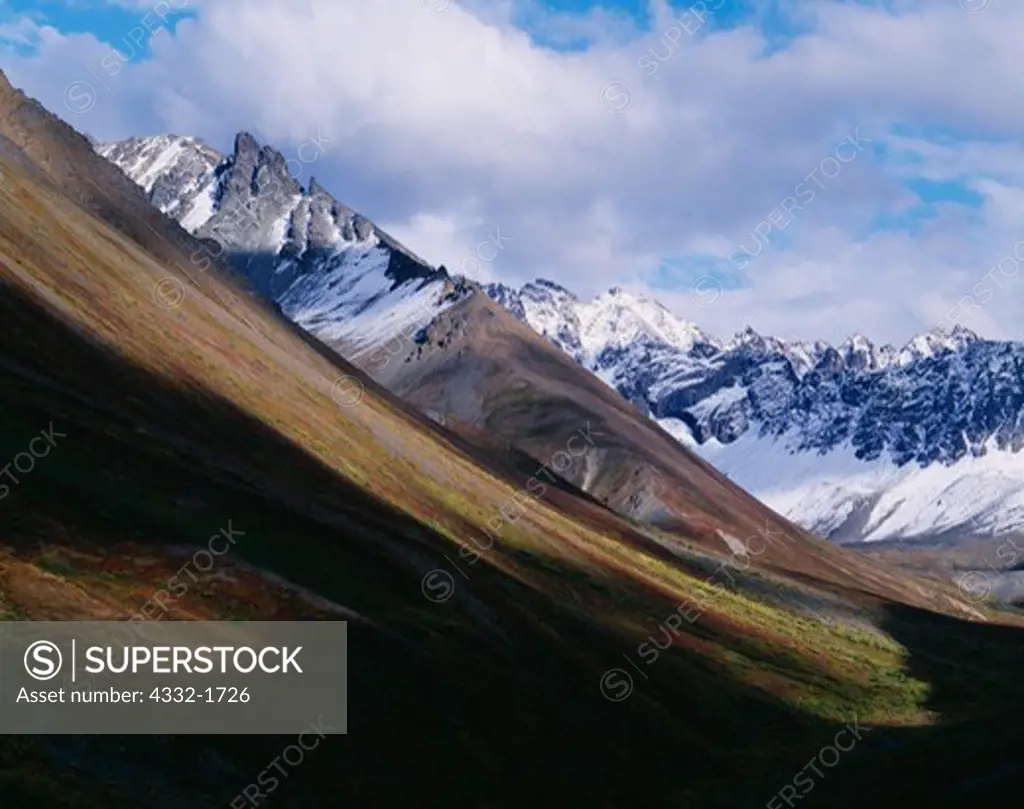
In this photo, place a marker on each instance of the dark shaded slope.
(976, 756)
(448, 711)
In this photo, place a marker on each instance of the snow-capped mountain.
(176, 173)
(584, 329)
(332, 271)
(855, 441)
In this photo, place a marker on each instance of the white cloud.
(447, 125)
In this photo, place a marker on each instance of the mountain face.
(510, 390)
(855, 441)
(336, 275)
(329, 269)
(171, 170)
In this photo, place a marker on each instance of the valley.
(587, 553)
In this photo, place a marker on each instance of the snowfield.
(837, 495)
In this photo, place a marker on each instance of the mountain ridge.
(330, 269)
(871, 415)
(890, 422)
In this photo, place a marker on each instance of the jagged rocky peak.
(753, 342)
(612, 321)
(857, 351)
(619, 317)
(256, 173)
(857, 343)
(275, 169)
(541, 287)
(934, 342)
(317, 190)
(747, 337)
(963, 334)
(247, 149)
(329, 268)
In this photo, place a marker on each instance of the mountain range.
(548, 598)
(854, 442)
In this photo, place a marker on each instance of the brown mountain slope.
(482, 366)
(71, 161)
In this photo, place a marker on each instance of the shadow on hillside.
(445, 710)
(974, 754)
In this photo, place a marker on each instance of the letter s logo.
(39, 660)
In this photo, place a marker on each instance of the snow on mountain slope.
(614, 319)
(352, 301)
(329, 269)
(617, 319)
(854, 442)
(934, 342)
(176, 172)
(836, 494)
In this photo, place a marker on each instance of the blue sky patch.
(936, 191)
(676, 272)
(933, 194)
(777, 26)
(944, 135)
(128, 30)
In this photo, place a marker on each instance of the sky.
(810, 168)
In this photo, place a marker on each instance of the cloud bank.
(651, 155)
